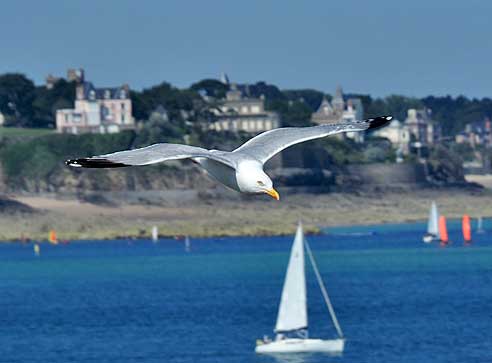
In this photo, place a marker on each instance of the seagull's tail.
(377, 122)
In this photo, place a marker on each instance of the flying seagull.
(241, 169)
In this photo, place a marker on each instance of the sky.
(380, 47)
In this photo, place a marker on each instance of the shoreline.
(76, 220)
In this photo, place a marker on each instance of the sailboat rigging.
(292, 321)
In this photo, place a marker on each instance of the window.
(107, 94)
(92, 95)
(255, 109)
(244, 109)
(122, 94)
(122, 118)
(122, 106)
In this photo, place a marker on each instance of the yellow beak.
(273, 193)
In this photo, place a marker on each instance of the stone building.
(423, 130)
(476, 134)
(96, 110)
(340, 110)
(239, 112)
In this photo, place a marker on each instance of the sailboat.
(443, 231)
(52, 237)
(480, 229)
(466, 227)
(432, 225)
(187, 244)
(292, 320)
(155, 234)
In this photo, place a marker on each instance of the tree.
(48, 101)
(211, 87)
(16, 96)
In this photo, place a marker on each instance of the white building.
(398, 134)
(97, 110)
(241, 113)
(2, 119)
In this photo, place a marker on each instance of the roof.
(105, 92)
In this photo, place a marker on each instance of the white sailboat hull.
(297, 345)
(429, 238)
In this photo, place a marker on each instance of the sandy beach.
(73, 219)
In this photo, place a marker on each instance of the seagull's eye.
(259, 182)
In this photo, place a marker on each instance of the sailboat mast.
(323, 290)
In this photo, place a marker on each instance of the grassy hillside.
(24, 132)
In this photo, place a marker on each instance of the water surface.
(132, 301)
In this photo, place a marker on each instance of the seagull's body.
(241, 169)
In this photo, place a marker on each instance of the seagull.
(241, 169)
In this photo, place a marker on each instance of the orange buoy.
(466, 226)
(52, 237)
(443, 231)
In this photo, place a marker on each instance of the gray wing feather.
(269, 143)
(149, 155)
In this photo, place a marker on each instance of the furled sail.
(433, 224)
(292, 313)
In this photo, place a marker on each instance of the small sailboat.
(480, 229)
(52, 237)
(466, 227)
(432, 225)
(155, 234)
(443, 231)
(187, 244)
(292, 320)
(37, 250)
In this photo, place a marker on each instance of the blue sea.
(397, 299)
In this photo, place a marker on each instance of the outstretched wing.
(269, 143)
(148, 155)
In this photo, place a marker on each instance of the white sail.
(433, 224)
(155, 234)
(480, 225)
(292, 313)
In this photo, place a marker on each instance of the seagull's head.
(252, 179)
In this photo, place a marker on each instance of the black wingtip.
(380, 121)
(93, 163)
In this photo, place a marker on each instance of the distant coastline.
(217, 216)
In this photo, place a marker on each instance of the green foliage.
(378, 150)
(464, 150)
(211, 87)
(173, 99)
(445, 165)
(454, 113)
(312, 98)
(16, 97)
(394, 105)
(47, 101)
(343, 152)
(292, 113)
(23, 132)
(157, 129)
(39, 157)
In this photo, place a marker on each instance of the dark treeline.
(26, 105)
